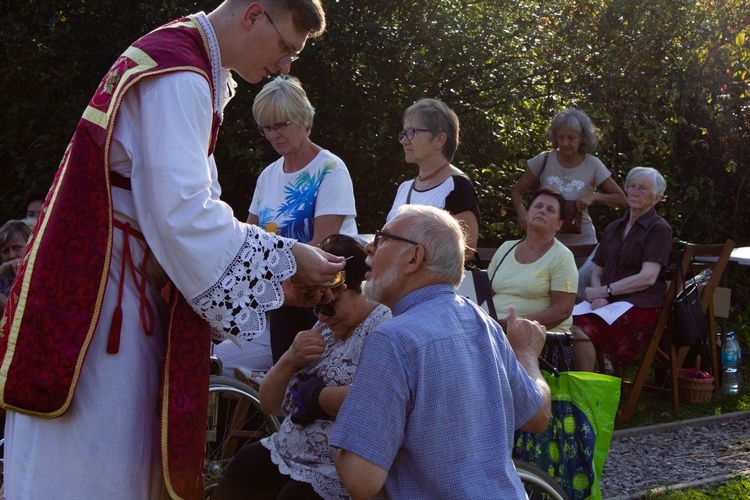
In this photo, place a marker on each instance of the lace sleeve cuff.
(236, 305)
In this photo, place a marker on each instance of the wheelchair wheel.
(234, 420)
(539, 485)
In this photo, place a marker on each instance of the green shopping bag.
(575, 445)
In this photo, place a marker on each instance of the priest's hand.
(314, 266)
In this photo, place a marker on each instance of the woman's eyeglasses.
(410, 132)
(568, 138)
(267, 129)
(326, 309)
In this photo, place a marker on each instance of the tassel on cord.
(113, 341)
(147, 315)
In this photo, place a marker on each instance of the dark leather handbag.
(557, 354)
(689, 320)
(572, 222)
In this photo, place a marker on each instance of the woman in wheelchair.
(308, 385)
(629, 267)
(537, 275)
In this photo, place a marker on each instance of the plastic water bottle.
(731, 360)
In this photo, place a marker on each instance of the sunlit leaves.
(666, 81)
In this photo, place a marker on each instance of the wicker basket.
(695, 390)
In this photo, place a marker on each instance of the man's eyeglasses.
(410, 132)
(291, 56)
(382, 234)
(267, 129)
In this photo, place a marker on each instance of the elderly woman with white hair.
(629, 266)
(572, 171)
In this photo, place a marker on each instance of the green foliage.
(667, 82)
(738, 487)
(55, 52)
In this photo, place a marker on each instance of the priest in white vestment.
(106, 446)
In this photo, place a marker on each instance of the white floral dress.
(303, 452)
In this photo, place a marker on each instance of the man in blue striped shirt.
(439, 389)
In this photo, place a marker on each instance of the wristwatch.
(609, 291)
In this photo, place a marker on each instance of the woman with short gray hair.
(430, 137)
(306, 194)
(658, 181)
(571, 170)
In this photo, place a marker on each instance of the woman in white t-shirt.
(306, 194)
(570, 170)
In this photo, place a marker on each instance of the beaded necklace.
(432, 175)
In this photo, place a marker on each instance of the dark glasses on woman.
(326, 309)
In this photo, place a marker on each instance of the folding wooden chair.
(660, 348)
(661, 351)
(714, 257)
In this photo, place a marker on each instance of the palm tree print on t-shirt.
(295, 217)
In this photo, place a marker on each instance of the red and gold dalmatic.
(55, 304)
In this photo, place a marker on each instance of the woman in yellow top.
(537, 275)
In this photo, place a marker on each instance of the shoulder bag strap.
(408, 195)
(474, 263)
(544, 165)
(502, 260)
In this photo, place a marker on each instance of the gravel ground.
(681, 454)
